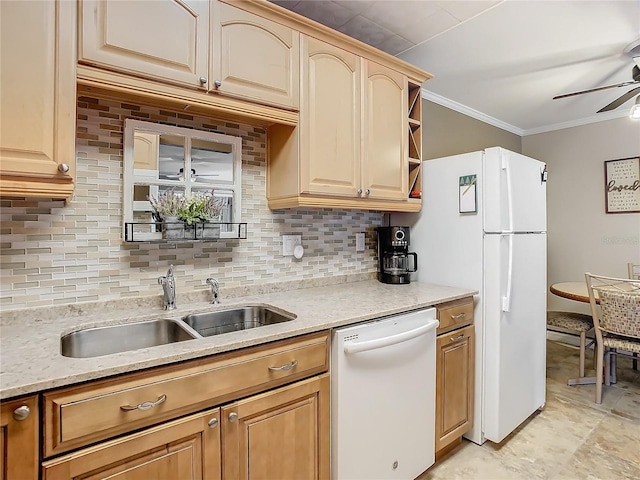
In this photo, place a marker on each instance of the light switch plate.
(289, 243)
(360, 242)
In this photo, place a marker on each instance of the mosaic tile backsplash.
(54, 254)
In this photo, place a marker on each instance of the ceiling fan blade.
(623, 84)
(620, 100)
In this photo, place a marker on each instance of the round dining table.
(573, 291)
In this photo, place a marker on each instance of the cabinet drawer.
(80, 415)
(454, 314)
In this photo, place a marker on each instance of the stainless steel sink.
(234, 319)
(93, 342)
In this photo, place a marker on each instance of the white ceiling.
(501, 61)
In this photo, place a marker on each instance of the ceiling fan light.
(635, 110)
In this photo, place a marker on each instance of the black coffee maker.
(394, 265)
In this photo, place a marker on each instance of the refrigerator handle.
(505, 167)
(506, 299)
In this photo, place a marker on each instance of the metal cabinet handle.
(144, 405)
(367, 191)
(456, 317)
(21, 413)
(213, 423)
(458, 338)
(359, 191)
(217, 83)
(233, 417)
(63, 168)
(203, 80)
(286, 366)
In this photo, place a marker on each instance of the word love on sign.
(622, 185)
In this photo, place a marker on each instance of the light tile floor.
(571, 438)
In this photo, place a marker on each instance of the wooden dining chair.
(616, 322)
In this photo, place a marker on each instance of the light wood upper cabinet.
(37, 94)
(280, 434)
(184, 448)
(330, 120)
(253, 57)
(385, 162)
(350, 147)
(167, 40)
(19, 439)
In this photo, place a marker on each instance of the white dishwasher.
(383, 379)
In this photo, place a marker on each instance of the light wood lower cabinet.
(185, 448)
(38, 98)
(282, 434)
(19, 439)
(454, 384)
(264, 413)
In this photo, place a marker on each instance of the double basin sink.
(94, 342)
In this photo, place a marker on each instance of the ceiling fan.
(633, 51)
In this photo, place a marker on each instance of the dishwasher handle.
(357, 347)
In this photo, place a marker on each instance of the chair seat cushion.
(578, 322)
(625, 344)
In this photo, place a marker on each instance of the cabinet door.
(37, 94)
(281, 434)
(185, 448)
(454, 385)
(329, 120)
(167, 40)
(19, 439)
(384, 161)
(255, 58)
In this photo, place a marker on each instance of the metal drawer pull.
(233, 417)
(213, 422)
(456, 317)
(287, 366)
(458, 338)
(144, 405)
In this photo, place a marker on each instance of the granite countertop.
(30, 359)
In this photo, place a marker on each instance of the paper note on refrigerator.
(467, 194)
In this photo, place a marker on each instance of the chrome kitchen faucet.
(168, 283)
(215, 286)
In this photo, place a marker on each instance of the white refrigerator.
(483, 226)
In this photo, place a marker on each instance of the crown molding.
(601, 117)
(470, 112)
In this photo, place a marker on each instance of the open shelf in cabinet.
(414, 130)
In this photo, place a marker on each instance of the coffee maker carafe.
(395, 262)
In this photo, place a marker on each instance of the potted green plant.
(179, 212)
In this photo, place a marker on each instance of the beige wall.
(447, 132)
(581, 236)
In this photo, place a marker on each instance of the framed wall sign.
(467, 194)
(622, 185)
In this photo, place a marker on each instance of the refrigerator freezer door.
(514, 331)
(514, 192)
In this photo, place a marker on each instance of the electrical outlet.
(289, 242)
(360, 242)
